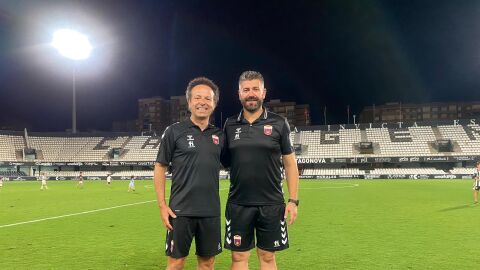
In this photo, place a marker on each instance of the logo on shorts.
(267, 130)
(283, 227)
(171, 246)
(215, 139)
(276, 243)
(237, 240)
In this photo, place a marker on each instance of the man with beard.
(192, 149)
(258, 141)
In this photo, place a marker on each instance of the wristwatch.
(296, 202)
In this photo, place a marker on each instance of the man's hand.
(166, 212)
(291, 209)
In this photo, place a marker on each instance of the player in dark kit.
(192, 148)
(258, 142)
(80, 180)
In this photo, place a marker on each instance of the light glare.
(72, 44)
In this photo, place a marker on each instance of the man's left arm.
(291, 172)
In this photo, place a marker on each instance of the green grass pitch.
(342, 224)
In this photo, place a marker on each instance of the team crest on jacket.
(215, 139)
(267, 130)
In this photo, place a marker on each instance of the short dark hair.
(250, 75)
(202, 81)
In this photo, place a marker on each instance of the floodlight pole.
(74, 105)
(73, 46)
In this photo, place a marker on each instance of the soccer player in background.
(1, 182)
(131, 185)
(476, 182)
(43, 178)
(192, 148)
(258, 142)
(109, 179)
(80, 180)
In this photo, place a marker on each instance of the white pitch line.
(74, 214)
(124, 205)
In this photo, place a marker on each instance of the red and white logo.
(215, 139)
(237, 240)
(267, 130)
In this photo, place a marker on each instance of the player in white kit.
(476, 183)
(109, 179)
(43, 178)
(131, 185)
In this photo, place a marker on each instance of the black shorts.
(267, 222)
(207, 233)
(477, 188)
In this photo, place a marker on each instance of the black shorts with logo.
(267, 222)
(207, 233)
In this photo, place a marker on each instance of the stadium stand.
(142, 148)
(342, 171)
(75, 174)
(8, 146)
(91, 149)
(377, 171)
(394, 171)
(412, 141)
(135, 173)
(468, 171)
(332, 150)
(12, 173)
(467, 137)
(329, 144)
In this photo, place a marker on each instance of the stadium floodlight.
(74, 46)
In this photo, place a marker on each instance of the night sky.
(324, 53)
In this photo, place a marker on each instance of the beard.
(252, 107)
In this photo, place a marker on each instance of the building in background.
(125, 126)
(157, 113)
(409, 112)
(296, 114)
(154, 114)
(179, 108)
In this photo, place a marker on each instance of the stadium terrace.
(403, 124)
(413, 150)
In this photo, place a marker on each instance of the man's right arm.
(159, 180)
